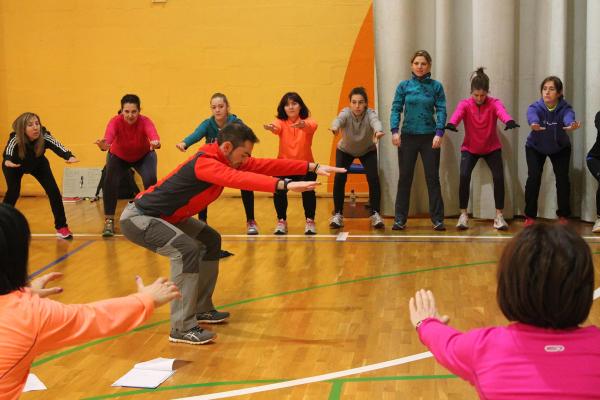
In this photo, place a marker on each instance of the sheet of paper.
(143, 378)
(158, 364)
(34, 383)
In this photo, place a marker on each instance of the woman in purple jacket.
(550, 118)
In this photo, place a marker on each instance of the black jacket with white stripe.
(11, 152)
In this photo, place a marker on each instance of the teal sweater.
(209, 129)
(418, 98)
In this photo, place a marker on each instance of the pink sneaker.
(64, 233)
(528, 222)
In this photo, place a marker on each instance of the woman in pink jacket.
(480, 113)
(31, 324)
(545, 288)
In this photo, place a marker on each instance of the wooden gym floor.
(301, 306)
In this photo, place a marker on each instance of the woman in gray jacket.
(361, 129)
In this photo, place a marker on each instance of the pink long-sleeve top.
(295, 143)
(130, 142)
(519, 361)
(481, 136)
(30, 326)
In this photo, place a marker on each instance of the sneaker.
(281, 227)
(463, 222)
(377, 221)
(251, 227)
(439, 226)
(310, 228)
(399, 225)
(563, 220)
(212, 317)
(337, 221)
(109, 227)
(225, 254)
(528, 222)
(499, 223)
(596, 228)
(196, 335)
(64, 233)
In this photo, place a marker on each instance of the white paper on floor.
(33, 383)
(148, 374)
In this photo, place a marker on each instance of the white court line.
(311, 379)
(321, 378)
(309, 238)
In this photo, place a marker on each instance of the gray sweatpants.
(193, 248)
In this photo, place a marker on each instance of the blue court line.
(60, 259)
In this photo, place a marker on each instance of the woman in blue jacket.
(550, 118)
(209, 129)
(423, 102)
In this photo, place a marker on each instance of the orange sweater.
(30, 326)
(294, 143)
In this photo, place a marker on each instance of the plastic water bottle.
(352, 198)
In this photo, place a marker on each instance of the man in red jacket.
(159, 219)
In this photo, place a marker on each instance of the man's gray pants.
(193, 248)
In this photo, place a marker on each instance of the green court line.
(252, 300)
(337, 384)
(335, 393)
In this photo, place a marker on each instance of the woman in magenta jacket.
(480, 114)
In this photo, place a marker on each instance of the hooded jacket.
(553, 138)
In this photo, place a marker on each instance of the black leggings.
(247, 199)
(369, 162)
(43, 174)
(116, 168)
(467, 163)
(309, 199)
(594, 167)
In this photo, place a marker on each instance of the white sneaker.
(377, 221)
(281, 227)
(310, 228)
(251, 227)
(463, 222)
(500, 223)
(337, 221)
(596, 228)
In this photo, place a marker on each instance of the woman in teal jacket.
(423, 103)
(209, 129)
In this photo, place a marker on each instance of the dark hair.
(479, 80)
(557, 84)
(421, 53)
(14, 249)
(546, 278)
(293, 96)
(132, 99)
(236, 133)
(361, 91)
(220, 96)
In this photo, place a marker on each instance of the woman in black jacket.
(24, 154)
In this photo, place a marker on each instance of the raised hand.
(300, 124)
(102, 144)
(574, 125)
(511, 125)
(162, 290)
(72, 160)
(154, 144)
(38, 285)
(11, 164)
(536, 127)
(422, 306)
(326, 170)
(181, 146)
(302, 186)
(270, 127)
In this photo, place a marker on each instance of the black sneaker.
(196, 335)
(439, 226)
(212, 317)
(399, 226)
